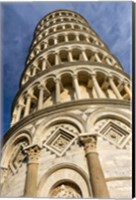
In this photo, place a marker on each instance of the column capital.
(93, 74)
(41, 86)
(89, 141)
(110, 76)
(57, 79)
(33, 153)
(75, 75)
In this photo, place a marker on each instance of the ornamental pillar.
(34, 71)
(56, 59)
(40, 99)
(32, 170)
(43, 64)
(70, 56)
(127, 90)
(76, 86)
(28, 104)
(97, 179)
(57, 95)
(98, 90)
(84, 56)
(115, 89)
(55, 40)
(97, 58)
(66, 38)
(20, 106)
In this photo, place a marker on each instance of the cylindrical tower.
(70, 130)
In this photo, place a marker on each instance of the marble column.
(28, 104)
(34, 71)
(43, 64)
(57, 95)
(40, 99)
(114, 87)
(76, 86)
(84, 56)
(66, 38)
(32, 170)
(70, 56)
(98, 90)
(55, 41)
(127, 90)
(57, 62)
(19, 109)
(97, 179)
(97, 58)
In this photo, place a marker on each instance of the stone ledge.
(66, 106)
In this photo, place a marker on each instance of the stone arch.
(84, 80)
(67, 172)
(101, 70)
(8, 148)
(68, 92)
(66, 71)
(71, 119)
(102, 113)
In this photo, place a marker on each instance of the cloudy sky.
(111, 20)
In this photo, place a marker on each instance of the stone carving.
(32, 153)
(89, 142)
(60, 141)
(18, 156)
(115, 134)
(65, 191)
(3, 174)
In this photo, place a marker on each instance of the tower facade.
(70, 134)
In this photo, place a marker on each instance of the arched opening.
(89, 54)
(59, 28)
(57, 14)
(105, 86)
(51, 42)
(61, 38)
(49, 95)
(68, 93)
(63, 56)
(85, 85)
(23, 101)
(77, 27)
(66, 190)
(71, 37)
(82, 37)
(51, 30)
(76, 53)
(51, 60)
(67, 26)
(91, 39)
(34, 100)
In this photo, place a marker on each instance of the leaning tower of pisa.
(70, 133)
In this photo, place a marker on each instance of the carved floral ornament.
(66, 191)
(33, 153)
(89, 141)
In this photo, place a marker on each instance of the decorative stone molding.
(3, 174)
(32, 152)
(60, 141)
(89, 141)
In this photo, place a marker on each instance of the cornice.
(63, 107)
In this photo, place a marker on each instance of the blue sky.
(111, 20)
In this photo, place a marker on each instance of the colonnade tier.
(63, 26)
(64, 33)
(51, 90)
(68, 53)
(60, 13)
